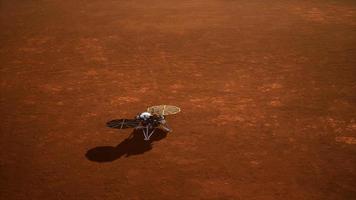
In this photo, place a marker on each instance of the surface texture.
(267, 91)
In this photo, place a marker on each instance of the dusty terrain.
(267, 91)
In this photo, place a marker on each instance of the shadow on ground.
(133, 145)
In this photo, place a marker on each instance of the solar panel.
(123, 123)
(163, 110)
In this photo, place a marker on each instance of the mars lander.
(148, 121)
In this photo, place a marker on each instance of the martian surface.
(267, 91)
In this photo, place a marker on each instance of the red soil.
(267, 91)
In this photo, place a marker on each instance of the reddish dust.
(267, 91)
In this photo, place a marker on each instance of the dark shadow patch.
(133, 145)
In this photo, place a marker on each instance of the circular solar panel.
(163, 110)
(123, 123)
